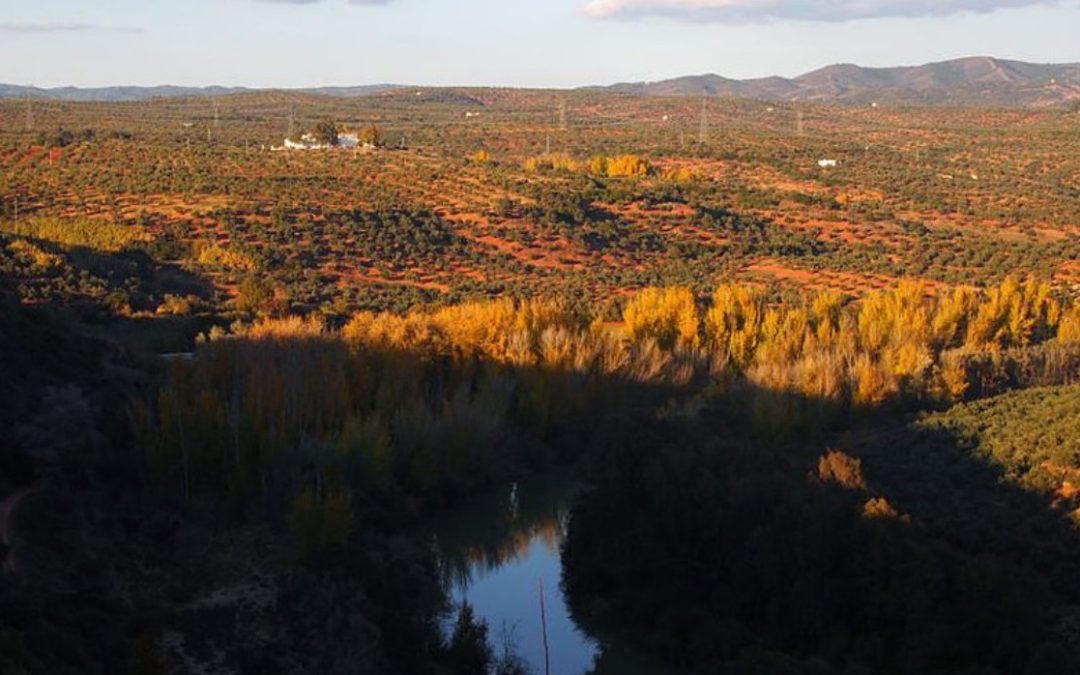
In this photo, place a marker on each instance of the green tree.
(469, 652)
(321, 524)
(326, 132)
(371, 135)
(255, 293)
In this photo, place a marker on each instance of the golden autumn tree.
(598, 165)
(733, 324)
(1069, 329)
(667, 315)
(630, 166)
(1014, 314)
(952, 314)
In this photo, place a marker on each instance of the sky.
(520, 43)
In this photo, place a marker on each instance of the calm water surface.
(496, 552)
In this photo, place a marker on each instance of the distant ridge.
(123, 93)
(974, 81)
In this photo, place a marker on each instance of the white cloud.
(63, 28)
(312, 2)
(753, 11)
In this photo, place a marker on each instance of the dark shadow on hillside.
(719, 550)
(710, 535)
(115, 290)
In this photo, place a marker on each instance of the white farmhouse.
(309, 142)
(826, 163)
(306, 142)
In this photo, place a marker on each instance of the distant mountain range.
(166, 91)
(974, 81)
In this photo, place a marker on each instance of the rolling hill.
(126, 93)
(975, 81)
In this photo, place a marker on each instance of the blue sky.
(558, 43)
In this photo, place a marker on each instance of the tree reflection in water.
(491, 553)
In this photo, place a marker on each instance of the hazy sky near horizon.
(548, 43)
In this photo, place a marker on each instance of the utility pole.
(562, 115)
(29, 108)
(800, 125)
(217, 120)
(703, 129)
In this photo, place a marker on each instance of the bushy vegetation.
(728, 337)
(441, 403)
(619, 203)
(98, 235)
(1031, 433)
(722, 551)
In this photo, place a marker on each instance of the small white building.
(309, 142)
(306, 142)
(827, 163)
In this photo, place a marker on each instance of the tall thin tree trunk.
(543, 626)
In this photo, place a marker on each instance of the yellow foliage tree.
(683, 174)
(668, 315)
(951, 317)
(836, 466)
(733, 324)
(873, 384)
(1014, 314)
(555, 161)
(1069, 329)
(213, 254)
(627, 166)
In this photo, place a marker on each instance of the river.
(499, 551)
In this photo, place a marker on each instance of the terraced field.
(954, 197)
